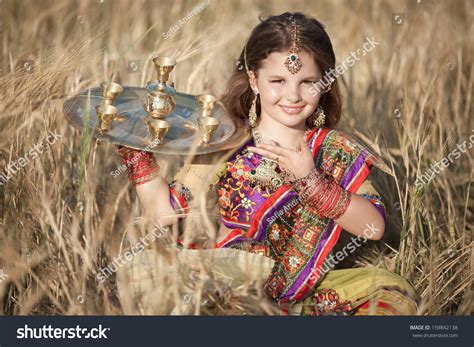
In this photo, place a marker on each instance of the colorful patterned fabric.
(277, 224)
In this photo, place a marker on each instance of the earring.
(253, 112)
(318, 118)
(328, 88)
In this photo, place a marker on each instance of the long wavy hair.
(274, 35)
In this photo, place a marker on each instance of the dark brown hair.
(274, 35)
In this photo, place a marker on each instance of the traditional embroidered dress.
(294, 239)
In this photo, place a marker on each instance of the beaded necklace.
(268, 172)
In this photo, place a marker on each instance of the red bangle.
(141, 165)
(324, 195)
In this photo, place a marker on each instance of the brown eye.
(276, 81)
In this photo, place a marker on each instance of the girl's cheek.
(273, 93)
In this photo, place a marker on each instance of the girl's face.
(286, 97)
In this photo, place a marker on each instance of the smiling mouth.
(292, 109)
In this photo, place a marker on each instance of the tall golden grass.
(63, 214)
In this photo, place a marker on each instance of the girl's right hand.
(155, 198)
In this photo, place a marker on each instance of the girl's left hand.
(298, 163)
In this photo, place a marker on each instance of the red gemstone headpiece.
(293, 61)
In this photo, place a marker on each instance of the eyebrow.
(306, 78)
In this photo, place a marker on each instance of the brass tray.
(129, 128)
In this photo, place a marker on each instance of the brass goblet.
(207, 126)
(158, 129)
(110, 91)
(163, 67)
(106, 114)
(206, 104)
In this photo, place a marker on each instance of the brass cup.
(206, 103)
(163, 67)
(207, 126)
(158, 129)
(106, 115)
(110, 91)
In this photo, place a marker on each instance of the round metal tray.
(129, 128)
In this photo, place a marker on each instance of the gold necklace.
(268, 173)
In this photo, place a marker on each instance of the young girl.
(295, 184)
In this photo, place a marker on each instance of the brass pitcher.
(159, 103)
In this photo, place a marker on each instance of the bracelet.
(141, 165)
(322, 194)
(307, 185)
(182, 190)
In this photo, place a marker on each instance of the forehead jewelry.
(293, 61)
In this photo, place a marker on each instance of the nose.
(293, 93)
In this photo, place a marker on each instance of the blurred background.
(63, 214)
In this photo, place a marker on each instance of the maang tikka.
(293, 61)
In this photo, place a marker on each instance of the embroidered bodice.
(238, 200)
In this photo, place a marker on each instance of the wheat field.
(63, 215)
